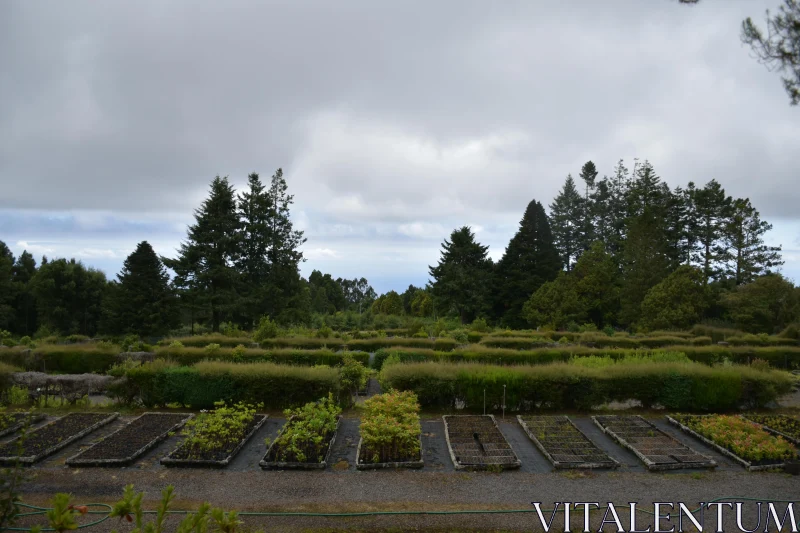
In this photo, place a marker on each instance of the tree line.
(623, 251)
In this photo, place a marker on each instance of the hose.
(43, 510)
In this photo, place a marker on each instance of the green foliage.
(324, 332)
(63, 358)
(390, 303)
(230, 329)
(390, 428)
(421, 334)
(211, 349)
(677, 302)
(62, 516)
(292, 356)
(276, 386)
(352, 375)
(267, 329)
(176, 345)
(768, 304)
(305, 436)
(684, 386)
(567, 216)
(217, 429)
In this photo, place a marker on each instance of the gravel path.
(342, 488)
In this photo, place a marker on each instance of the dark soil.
(217, 454)
(11, 422)
(133, 437)
(489, 447)
(47, 436)
(564, 442)
(650, 441)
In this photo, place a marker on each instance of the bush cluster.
(190, 356)
(679, 386)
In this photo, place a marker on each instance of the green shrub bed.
(786, 357)
(200, 341)
(63, 358)
(365, 345)
(276, 386)
(679, 386)
(286, 356)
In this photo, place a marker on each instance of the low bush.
(276, 386)
(366, 345)
(677, 386)
(190, 356)
(306, 435)
(516, 343)
(204, 340)
(64, 358)
(390, 428)
(717, 334)
(267, 329)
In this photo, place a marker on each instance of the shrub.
(177, 345)
(479, 325)
(563, 340)
(352, 375)
(421, 334)
(390, 428)
(231, 330)
(587, 327)
(678, 386)
(267, 329)
(64, 358)
(25, 341)
(324, 332)
(792, 331)
(211, 349)
(237, 355)
(276, 386)
(217, 430)
(204, 340)
(305, 436)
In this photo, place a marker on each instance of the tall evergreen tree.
(204, 267)
(712, 209)
(567, 220)
(142, 302)
(7, 288)
(588, 234)
(530, 260)
(595, 280)
(617, 210)
(645, 262)
(25, 307)
(745, 255)
(253, 241)
(461, 279)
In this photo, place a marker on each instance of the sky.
(394, 122)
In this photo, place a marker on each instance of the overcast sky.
(394, 122)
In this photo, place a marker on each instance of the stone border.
(458, 466)
(34, 419)
(652, 466)
(397, 464)
(275, 465)
(169, 461)
(31, 459)
(775, 432)
(611, 463)
(75, 460)
(724, 451)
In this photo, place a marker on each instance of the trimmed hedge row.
(598, 340)
(678, 386)
(778, 357)
(199, 386)
(199, 341)
(63, 358)
(366, 345)
(190, 356)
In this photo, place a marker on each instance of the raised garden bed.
(52, 437)
(564, 445)
(127, 444)
(391, 434)
(744, 441)
(656, 449)
(12, 422)
(306, 440)
(213, 439)
(780, 425)
(476, 443)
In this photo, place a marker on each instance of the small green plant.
(305, 436)
(421, 334)
(237, 354)
(479, 325)
(25, 341)
(353, 375)
(212, 349)
(324, 332)
(176, 345)
(563, 340)
(381, 334)
(216, 430)
(608, 330)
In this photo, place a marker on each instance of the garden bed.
(52, 437)
(391, 434)
(127, 444)
(306, 440)
(564, 445)
(213, 439)
(476, 443)
(744, 441)
(780, 425)
(12, 422)
(658, 450)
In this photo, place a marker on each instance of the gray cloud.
(394, 122)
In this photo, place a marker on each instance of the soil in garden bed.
(658, 447)
(122, 444)
(566, 445)
(183, 453)
(49, 435)
(784, 425)
(11, 422)
(477, 441)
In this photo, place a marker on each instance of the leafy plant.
(324, 332)
(306, 434)
(390, 427)
(212, 349)
(267, 329)
(353, 375)
(214, 431)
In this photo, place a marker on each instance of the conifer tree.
(567, 221)
(7, 288)
(589, 176)
(745, 255)
(25, 307)
(530, 260)
(461, 279)
(142, 301)
(712, 210)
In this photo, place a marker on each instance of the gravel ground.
(342, 488)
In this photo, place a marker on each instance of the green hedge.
(678, 386)
(366, 345)
(63, 358)
(778, 357)
(599, 340)
(199, 386)
(200, 341)
(190, 356)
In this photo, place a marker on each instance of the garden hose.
(42, 510)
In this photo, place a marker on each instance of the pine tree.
(617, 210)
(8, 290)
(143, 302)
(530, 260)
(567, 220)
(712, 209)
(746, 256)
(253, 241)
(204, 267)
(595, 281)
(461, 279)
(25, 314)
(588, 234)
(645, 263)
